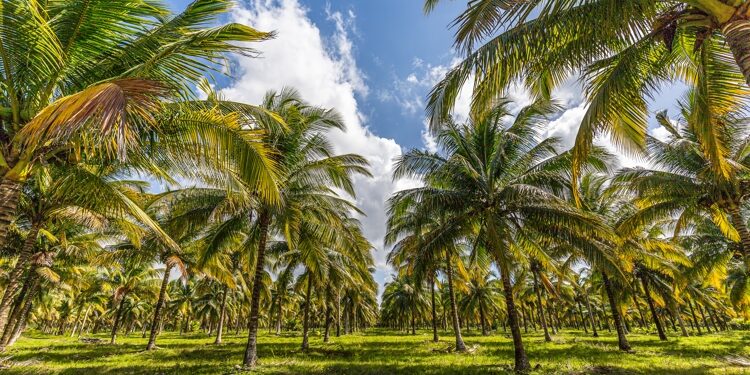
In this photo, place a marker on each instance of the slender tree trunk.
(483, 319)
(640, 312)
(737, 35)
(654, 315)
(583, 319)
(434, 311)
(222, 316)
(20, 324)
(158, 308)
(676, 312)
(78, 325)
(460, 346)
(306, 322)
(413, 325)
(15, 275)
(20, 313)
(251, 352)
(10, 193)
(85, 320)
(280, 315)
(714, 321)
(15, 312)
(540, 310)
(328, 318)
(338, 312)
(622, 341)
(739, 222)
(118, 316)
(705, 321)
(692, 313)
(521, 361)
(591, 315)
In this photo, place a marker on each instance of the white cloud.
(324, 70)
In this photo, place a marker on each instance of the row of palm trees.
(97, 99)
(498, 219)
(674, 234)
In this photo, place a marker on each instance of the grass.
(379, 352)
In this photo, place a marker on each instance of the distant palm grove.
(255, 230)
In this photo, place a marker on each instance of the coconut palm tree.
(408, 230)
(684, 182)
(483, 295)
(624, 50)
(310, 172)
(84, 79)
(127, 281)
(495, 184)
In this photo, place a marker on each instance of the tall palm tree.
(495, 184)
(624, 50)
(482, 295)
(130, 280)
(84, 79)
(684, 182)
(90, 195)
(408, 229)
(310, 172)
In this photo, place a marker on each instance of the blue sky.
(374, 61)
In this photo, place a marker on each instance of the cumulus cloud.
(324, 70)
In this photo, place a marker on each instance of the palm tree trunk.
(583, 318)
(659, 328)
(540, 311)
(434, 311)
(521, 361)
(251, 351)
(222, 316)
(20, 323)
(328, 318)
(10, 193)
(306, 321)
(737, 36)
(676, 312)
(85, 320)
(116, 323)
(17, 305)
(338, 313)
(15, 275)
(413, 325)
(640, 312)
(622, 341)
(714, 320)
(591, 315)
(159, 306)
(460, 346)
(30, 289)
(738, 222)
(280, 315)
(483, 319)
(692, 313)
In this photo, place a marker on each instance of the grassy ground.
(379, 352)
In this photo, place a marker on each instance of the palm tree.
(84, 79)
(405, 230)
(496, 181)
(483, 294)
(89, 195)
(310, 171)
(624, 50)
(132, 279)
(685, 183)
(408, 229)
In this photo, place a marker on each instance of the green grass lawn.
(379, 352)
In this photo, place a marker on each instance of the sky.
(375, 62)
